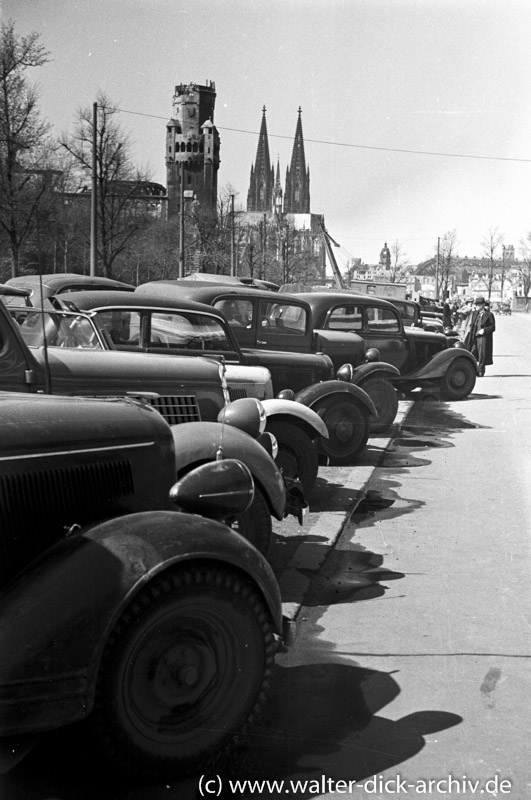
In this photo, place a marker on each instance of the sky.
(416, 114)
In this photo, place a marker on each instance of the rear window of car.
(382, 320)
(406, 311)
(284, 318)
(346, 318)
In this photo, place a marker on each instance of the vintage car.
(266, 328)
(124, 602)
(411, 313)
(42, 287)
(120, 321)
(184, 391)
(424, 359)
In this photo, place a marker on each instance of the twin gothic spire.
(265, 190)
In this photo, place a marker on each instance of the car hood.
(111, 368)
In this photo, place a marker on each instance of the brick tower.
(192, 147)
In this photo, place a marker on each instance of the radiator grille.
(176, 409)
(61, 495)
(237, 394)
(295, 379)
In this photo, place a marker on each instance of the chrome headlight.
(345, 373)
(247, 414)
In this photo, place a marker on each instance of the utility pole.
(232, 264)
(93, 196)
(181, 224)
(264, 249)
(437, 268)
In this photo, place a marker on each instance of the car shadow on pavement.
(325, 721)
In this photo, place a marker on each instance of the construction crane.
(328, 242)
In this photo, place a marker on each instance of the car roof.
(238, 280)
(204, 291)
(331, 298)
(55, 281)
(86, 301)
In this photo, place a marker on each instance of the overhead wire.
(351, 144)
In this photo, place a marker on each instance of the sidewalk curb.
(296, 578)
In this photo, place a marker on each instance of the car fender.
(296, 413)
(312, 394)
(438, 364)
(57, 616)
(372, 368)
(199, 442)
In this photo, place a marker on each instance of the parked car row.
(148, 436)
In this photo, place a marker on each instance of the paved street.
(410, 660)
(412, 654)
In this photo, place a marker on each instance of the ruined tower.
(192, 147)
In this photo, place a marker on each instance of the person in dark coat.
(482, 327)
(447, 314)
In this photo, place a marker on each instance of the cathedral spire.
(297, 195)
(260, 195)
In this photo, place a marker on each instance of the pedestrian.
(482, 328)
(447, 314)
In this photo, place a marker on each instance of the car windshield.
(129, 327)
(59, 328)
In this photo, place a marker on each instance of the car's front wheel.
(459, 380)
(255, 524)
(347, 421)
(184, 671)
(297, 454)
(383, 395)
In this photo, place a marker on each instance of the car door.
(382, 328)
(242, 316)
(283, 326)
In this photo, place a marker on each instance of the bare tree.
(120, 214)
(399, 263)
(491, 244)
(23, 139)
(524, 269)
(447, 259)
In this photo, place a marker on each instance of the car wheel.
(459, 380)
(347, 422)
(255, 523)
(297, 454)
(185, 669)
(383, 395)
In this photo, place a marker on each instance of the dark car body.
(87, 527)
(142, 324)
(267, 325)
(423, 358)
(48, 285)
(184, 391)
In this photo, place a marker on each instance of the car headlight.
(286, 394)
(247, 414)
(345, 373)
